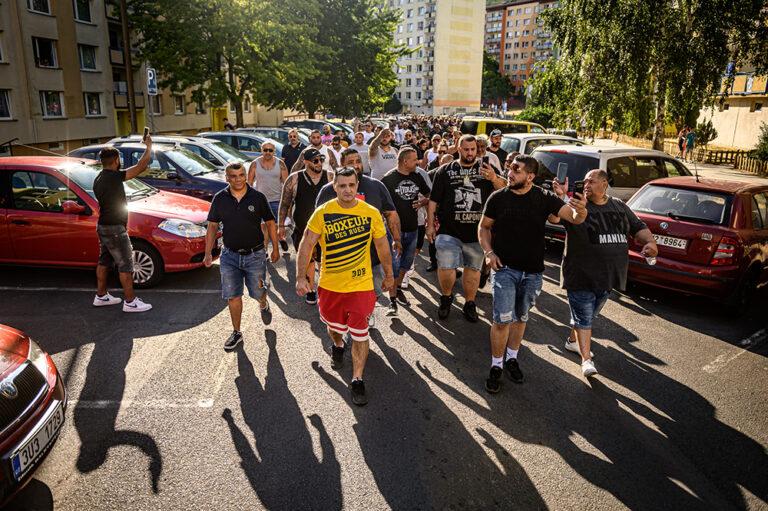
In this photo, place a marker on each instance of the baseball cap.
(312, 153)
(495, 133)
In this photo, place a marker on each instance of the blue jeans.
(585, 306)
(514, 293)
(236, 268)
(274, 206)
(408, 253)
(453, 253)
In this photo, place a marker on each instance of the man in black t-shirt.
(511, 233)
(240, 210)
(459, 191)
(115, 247)
(292, 150)
(404, 185)
(495, 146)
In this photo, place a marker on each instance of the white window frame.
(100, 113)
(7, 94)
(31, 9)
(44, 105)
(90, 12)
(176, 109)
(36, 51)
(80, 48)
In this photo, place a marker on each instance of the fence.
(699, 154)
(751, 165)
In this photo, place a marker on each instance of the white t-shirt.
(368, 136)
(431, 155)
(383, 162)
(399, 135)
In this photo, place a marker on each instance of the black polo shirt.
(241, 221)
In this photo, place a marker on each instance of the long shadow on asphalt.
(286, 474)
(36, 495)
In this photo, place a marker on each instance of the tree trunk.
(239, 112)
(660, 99)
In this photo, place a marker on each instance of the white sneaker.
(371, 321)
(407, 279)
(588, 368)
(107, 299)
(136, 306)
(574, 347)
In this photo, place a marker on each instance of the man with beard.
(381, 154)
(301, 190)
(361, 148)
(316, 143)
(511, 233)
(292, 150)
(459, 192)
(495, 146)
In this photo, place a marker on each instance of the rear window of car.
(505, 127)
(533, 144)
(698, 206)
(577, 165)
(469, 127)
(510, 144)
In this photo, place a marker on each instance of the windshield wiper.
(142, 194)
(697, 219)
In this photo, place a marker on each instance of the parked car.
(628, 169)
(525, 143)
(217, 153)
(245, 142)
(485, 125)
(33, 401)
(172, 169)
(48, 216)
(317, 124)
(279, 134)
(712, 237)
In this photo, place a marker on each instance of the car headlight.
(38, 358)
(183, 228)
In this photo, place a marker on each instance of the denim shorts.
(236, 268)
(514, 293)
(405, 260)
(375, 255)
(274, 206)
(115, 247)
(585, 306)
(452, 253)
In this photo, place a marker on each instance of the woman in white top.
(267, 173)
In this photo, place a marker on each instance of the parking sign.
(151, 82)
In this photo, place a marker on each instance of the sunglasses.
(318, 160)
(267, 150)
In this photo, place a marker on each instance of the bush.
(761, 150)
(538, 114)
(705, 133)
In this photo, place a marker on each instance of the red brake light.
(726, 251)
(561, 151)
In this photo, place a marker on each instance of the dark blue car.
(171, 169)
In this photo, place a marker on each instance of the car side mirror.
(71, 207)
(173, 175)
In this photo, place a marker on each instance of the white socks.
(511, 353)
(497, 362)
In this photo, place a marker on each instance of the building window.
(87, 57)
(178, 105)
(231, 106)
(247, 104)
(409, 14)
(199, 107)
(52, 104)
(419, 39)
(410, 27)
(399, 29)
(410, 41)
(522, 67)
(408, 68)
(418, 95)
(83, 10)
(155, 104)
(421, 11)
(39, 6)
(45, 52)
(407, 82)
(5, 104)
(527, 10)
(92, 104)
(2, 59)
(506, 67)
(407, 95)
(419, 68)
(420, 25)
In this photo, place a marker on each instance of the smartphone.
(146, 132)
(486, 159)
(562, 172)
(578, 187)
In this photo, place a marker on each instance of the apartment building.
(64, 82)
(443, 74)
(515, 36)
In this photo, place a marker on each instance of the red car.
(48, 216)
(712, 237)
(32, 405)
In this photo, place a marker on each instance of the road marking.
(723, 360)
(91, 290)
(151, 403)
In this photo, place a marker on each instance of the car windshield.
(698, 206)
(576, 165)
(189, 161)
(227, 152)
(83, 175)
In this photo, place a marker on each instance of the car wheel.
(148, 267)
(741, 299)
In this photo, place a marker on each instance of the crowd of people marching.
(361, 211)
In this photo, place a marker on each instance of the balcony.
(116, 57)
(121, 99)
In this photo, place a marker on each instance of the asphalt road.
(160, 417)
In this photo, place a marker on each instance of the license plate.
(669, 241)
(25, 456)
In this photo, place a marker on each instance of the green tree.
(393, 105)
(639, 63)
(539, 114)
(761, 150)
(496, 86)
(705, 132)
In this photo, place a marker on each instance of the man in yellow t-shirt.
(345, 228)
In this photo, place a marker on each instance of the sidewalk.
(704, 169)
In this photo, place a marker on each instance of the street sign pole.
(151, 91)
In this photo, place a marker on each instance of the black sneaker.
(337, 356)
(445, 306)
(513, 370)
(392, 309)
(459, 273)
(432, 267)
(284, 245)
(234, 339)
(493, 383)
(470, 312)
(266, 314)
(401, 299)
(357, 389)
(311, 298)
(484, 279)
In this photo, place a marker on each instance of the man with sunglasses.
(292, 150)
(267, 173)
(511, 233)
(240, 210)
(316, 141)
(298, 201)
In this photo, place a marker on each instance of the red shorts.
(346, 312)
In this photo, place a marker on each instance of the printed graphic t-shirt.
(345, 237)
(405, 189)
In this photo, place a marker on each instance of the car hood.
(216, 175)
(164, 205)
(14, 347)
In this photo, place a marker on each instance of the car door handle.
(20, 222)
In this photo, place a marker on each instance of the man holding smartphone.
(511, 233)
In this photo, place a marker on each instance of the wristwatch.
(487, 253)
